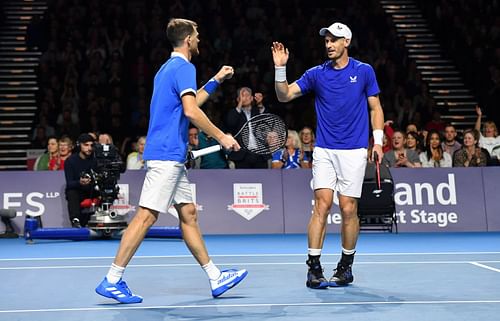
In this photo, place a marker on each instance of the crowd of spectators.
(478, 146)
(99, 59)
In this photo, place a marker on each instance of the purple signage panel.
(439, 199)
(275, 201)
(35, 194)
(491, 179)
(228, 201)
(239, 201)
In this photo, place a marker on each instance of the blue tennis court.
(424, 276)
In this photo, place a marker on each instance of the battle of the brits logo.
(248, 200)
(122, 205)
(172, 211)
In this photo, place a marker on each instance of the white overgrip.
(204, 151)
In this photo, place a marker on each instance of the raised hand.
(226, 72)
(280, 54)
(478, 111)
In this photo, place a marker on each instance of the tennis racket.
(262, 134)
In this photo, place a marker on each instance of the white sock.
(314, 252)
(348, 252)
(212, 271)
(115, 273)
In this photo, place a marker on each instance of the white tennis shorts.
(165, 184)
(339, 170)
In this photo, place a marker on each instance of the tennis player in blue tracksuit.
(175, 102)
(345, 91)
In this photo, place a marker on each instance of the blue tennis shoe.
(227, 280)
(119, 291)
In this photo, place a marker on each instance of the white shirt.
(446, 161)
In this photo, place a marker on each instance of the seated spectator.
(135, 159)
(290, 157)
(450, 144)
(488, 138)
(421, 133)
(434, 156)
(400, 156)
(65, 151)
(50, 159)
(307, 140)
(78, 185)
(193, 142)
(235, 119)
(414, 142)
(470, 155)
(259, 102)
(105, 139)
(216, 160)
(388, 132)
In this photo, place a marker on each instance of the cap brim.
(323, 31)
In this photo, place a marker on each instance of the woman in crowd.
(488, 138)
(400, 156)
(307, 140)
(291, 156)
(470, 155)
(50, 159)
(434, 156)
(65, 150)
(414, 142)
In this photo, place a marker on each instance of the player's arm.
(284, 91)
(226, 72)
(200, 120)
(377, 121)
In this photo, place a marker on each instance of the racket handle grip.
(204, 151)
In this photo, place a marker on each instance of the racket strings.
(264, 134)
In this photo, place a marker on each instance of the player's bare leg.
(220, 281)
(323, 199)
(188, 220)
(350, 230)
(113, 286)
(134, 235)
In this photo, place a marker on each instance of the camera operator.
(77, 169)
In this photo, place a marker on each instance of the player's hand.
(226, 72)
(377, 149)
(228, 142)
(280, 54)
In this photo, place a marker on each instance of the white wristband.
(378, 137)
(280, 73)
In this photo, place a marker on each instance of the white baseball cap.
(338, 30)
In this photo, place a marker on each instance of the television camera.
(105, 217)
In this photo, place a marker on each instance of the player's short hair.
(178, 29)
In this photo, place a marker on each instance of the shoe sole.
(107, 295)
(334, 284)
(229, 286)
(322, 285)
